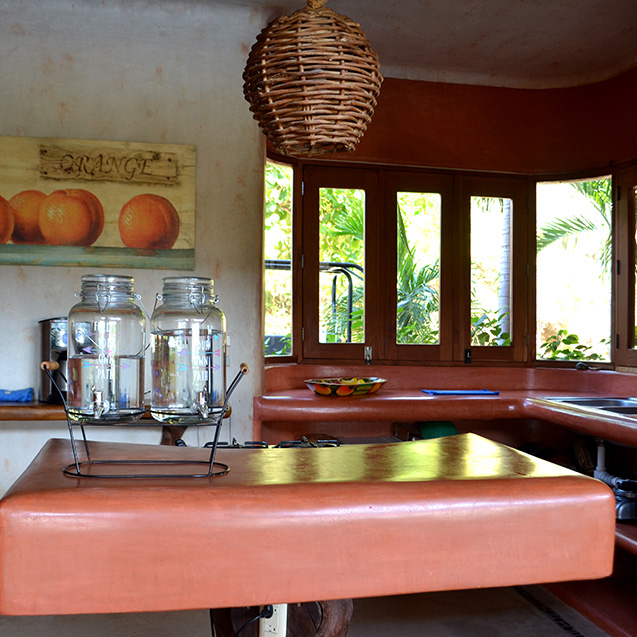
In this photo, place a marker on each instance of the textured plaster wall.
(133, 70)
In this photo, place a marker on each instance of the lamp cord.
(265, 613)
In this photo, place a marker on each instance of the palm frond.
(350, 224)
(599, 192)
(560, 229)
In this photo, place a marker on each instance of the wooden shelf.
(31, 411)
(39, 411)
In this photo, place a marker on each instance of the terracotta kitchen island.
(292, 525)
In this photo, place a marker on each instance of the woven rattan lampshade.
(312, 80)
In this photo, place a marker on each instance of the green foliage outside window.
(341, 252)
(487, 329)
(278, 247)
(563, 344)
(342, 235)
(417, 290)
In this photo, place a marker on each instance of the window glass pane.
(342, 260)
(491, 224)
(278, 253)
(573, 269)
(418, 268)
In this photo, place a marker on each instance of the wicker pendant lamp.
(312, 80)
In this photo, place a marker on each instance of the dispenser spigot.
(100, 406)
(201, 405)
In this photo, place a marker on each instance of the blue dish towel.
(16, 396)
(460, 392)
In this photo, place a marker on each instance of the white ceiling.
(514, 43)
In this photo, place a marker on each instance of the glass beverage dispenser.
(106, 341)
(188, 346)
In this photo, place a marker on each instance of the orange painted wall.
(501, 129)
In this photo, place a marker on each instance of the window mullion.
(624, 262)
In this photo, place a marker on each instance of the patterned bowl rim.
(367, 380)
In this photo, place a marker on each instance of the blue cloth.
(460, 392)
(16, 396)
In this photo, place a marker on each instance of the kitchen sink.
(597, 401)
(622, 409)
(622, 406)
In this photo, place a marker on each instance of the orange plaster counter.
(292, 525)
(521, 396)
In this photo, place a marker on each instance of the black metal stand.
(208, 468)
(81, 469)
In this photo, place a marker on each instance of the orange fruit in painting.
(6, 220)
(72, 217)
(26, 213)
(149, 222)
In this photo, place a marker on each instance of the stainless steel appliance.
(54, 337)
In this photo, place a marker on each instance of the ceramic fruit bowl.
(345, 386)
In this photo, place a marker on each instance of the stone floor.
(520, 612)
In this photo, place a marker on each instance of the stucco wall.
(133, 70)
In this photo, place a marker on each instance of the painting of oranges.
(75, 217)
(83, 202)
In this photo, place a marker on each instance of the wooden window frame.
(297, 289)
(616, 303)
(624, 256)
(393, 183)
(516, 189)
(381, 184)
(315, 178)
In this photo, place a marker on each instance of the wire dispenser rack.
(92, 467)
